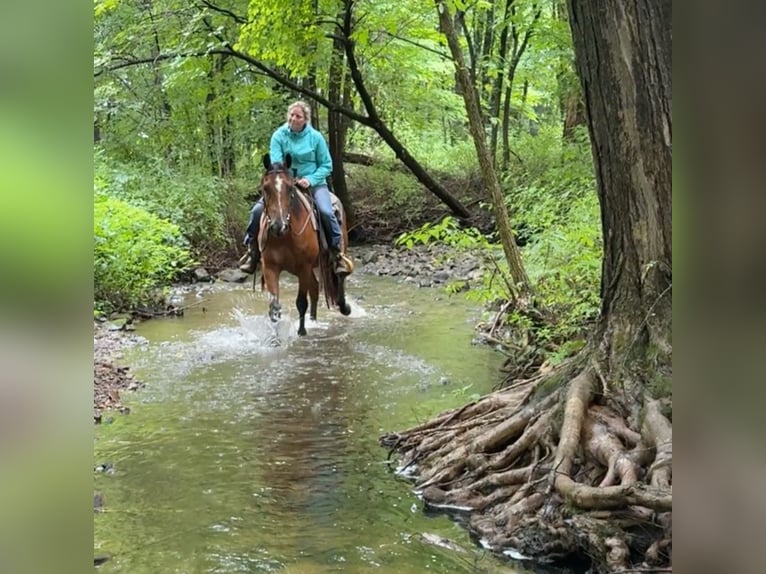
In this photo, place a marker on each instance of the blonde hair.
(305, 108)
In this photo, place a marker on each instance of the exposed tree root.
(554, 469)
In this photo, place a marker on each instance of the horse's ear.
(288, 160)
(266, 162)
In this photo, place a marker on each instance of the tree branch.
(236, 17)
(418, 45)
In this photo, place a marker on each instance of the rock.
(433, 265)
(201, 275)
(233, 276)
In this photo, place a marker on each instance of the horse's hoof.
(345, 309)
(301, 332)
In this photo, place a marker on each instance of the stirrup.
(249, 261)
(342, 264)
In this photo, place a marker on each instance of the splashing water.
(266, 332)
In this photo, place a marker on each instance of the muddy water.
(253, 450)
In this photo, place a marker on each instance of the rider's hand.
(303, 183)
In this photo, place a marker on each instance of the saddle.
(308, 203)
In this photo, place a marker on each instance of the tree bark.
(623, 56)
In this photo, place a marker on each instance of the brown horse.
(289, 242)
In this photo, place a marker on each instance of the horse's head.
(279, 195)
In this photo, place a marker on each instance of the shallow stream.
(252, 450)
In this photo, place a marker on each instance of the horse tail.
(328, 279)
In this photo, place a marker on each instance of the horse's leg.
(313, 294)
(343, 307)
(271, 278)
(302, 304)
(340, 280)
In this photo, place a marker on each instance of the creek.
(250, 449)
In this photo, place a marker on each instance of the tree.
(486, 163)
(577, 460)
(295, 45)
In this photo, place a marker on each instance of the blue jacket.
(309, 152)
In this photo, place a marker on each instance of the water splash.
(266, 333)
(356, 309)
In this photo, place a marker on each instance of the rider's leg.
(251, 238)
(324, 205)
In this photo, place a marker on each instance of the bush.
(194, 203)
(135, 253)
(448, 232)
(553, 199)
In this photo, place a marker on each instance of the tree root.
(553, 474)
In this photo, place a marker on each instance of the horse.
(289, 241)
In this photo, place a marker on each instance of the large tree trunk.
(577, 461)
(624, 63)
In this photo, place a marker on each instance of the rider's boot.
(253, 256)
(342, 264)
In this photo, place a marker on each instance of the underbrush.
(135, 254)
(389, 200)
(194, 202)
(152, 221)
(551, 197)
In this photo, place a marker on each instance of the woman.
(312, 165)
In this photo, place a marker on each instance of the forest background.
(47, 154)
(484, 95)
(186, 98)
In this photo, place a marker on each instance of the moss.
(552, 383)
(660, 386)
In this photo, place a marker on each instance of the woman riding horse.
(288, 240)
(312, 165)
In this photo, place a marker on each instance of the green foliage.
(194, 203)
(556, 213)
(388, 187)
(555, 203)
(134, 253)
(284, 33)
(448, 232)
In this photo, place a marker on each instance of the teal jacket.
(309, 152)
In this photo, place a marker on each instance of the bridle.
(292, 190)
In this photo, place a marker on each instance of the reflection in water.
(243, 455)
